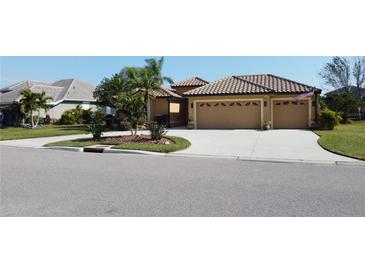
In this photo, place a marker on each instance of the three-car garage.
(283, 113)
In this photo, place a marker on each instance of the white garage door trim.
(289, 99)
(230, 100)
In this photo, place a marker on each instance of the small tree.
(32, 102)
(28, 103)
(157, 130)
(97, 124)
(133, 107)
(42, 100)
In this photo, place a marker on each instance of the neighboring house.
(245, 101)
(354, 91)
(66, 94)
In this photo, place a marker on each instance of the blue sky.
(93, 69)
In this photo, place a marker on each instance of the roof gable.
(191, 82)
(164, 92)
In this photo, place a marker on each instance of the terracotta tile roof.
(192, 82)
(246, 84)
(164, 92)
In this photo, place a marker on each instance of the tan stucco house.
(245, 101)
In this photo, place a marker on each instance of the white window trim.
(289, 99)
(230, 100)
(177, 103)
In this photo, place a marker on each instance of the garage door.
(288, 114)
(220, 114)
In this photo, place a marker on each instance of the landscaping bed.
(141, 139)
(140, 142)
(12, 133)
(345, 139)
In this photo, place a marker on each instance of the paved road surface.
(41, 182)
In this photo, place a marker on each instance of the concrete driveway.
(250, 144)
(298, 145)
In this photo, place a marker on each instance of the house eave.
(251, 93)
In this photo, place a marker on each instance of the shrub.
(86, 116)
(328, 119)
(69, 117)
(133, 108)
(157, 130)
(97, 124)
(76, 116)
(13, 115)
(47, 120)
(123, 125)
(162, 119)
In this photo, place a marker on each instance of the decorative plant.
(190, 124)
(267, 125)
(133, 107)
(328, 119)
(157, 130)
(47, 120)
(97, 124)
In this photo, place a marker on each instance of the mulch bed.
(143, 139)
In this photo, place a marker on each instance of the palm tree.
(28, 103)
(42, 99)
(31, 102)
(156, 66)
(146, 79)
(109, 89)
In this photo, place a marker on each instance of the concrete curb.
(129, 151)
(239, 158)
(74, 149)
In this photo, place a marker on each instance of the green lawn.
(11, 133)
(178, 144)
(346, 139)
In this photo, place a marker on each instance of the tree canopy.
(340, 72)
(345, 104)
(131, 79)
(337, 73)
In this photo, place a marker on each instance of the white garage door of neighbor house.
(228, 114)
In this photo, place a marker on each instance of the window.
(174, 108)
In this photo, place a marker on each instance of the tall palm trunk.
(146, 102)
(39, 114)
(31, 118)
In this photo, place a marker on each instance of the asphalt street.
(42, 182)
